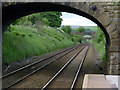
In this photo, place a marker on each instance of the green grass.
(101, 50)
(20, 42)
(99, 43)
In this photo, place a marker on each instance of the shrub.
(81, 29)
(30, 35)
(49, 34)
(76, 38)
(8, 29)
(23, 34)
(17, 32)
(99, 42)
(59, 39)
(67, 29)
(63, 38)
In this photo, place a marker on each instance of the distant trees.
(81, 29)
(67, 29)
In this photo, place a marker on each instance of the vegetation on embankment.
(99, 42)
(20, 41)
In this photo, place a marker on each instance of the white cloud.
(73, 19)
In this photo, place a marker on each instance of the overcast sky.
(73, 19)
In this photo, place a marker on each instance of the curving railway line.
(50, 72)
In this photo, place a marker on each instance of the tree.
(52, 19)
(22, 21)
(81, 29)
(99, 36)
(67, 29)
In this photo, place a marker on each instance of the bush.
(8, 29)
(23, 34)
(17, 32)
(80, 29)
(76, 38)
(67, 29)
(59, 39)
(30, 35)
(99, 42)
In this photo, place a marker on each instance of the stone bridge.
(105, 15)
(92, 34)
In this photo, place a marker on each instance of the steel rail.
(78, 71)
(65, 65)
(35, 62)
(37, 69)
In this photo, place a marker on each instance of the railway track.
(14, 77)
(57, 81)
(41, 59)
(54, 53)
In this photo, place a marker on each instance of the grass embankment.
(20, 42)
(99, 42)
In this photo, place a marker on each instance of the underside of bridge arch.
(92, 11)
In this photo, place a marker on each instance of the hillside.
(88, 28)
(91, 28)
(20, 42)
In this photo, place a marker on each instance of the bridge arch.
(92, 11)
